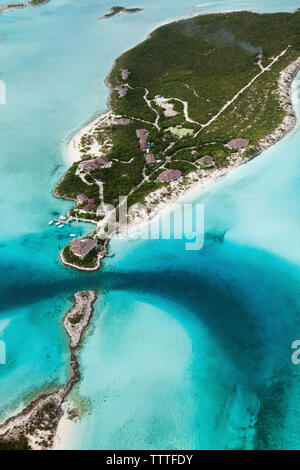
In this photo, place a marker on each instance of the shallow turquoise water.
(187, 350)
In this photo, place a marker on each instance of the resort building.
(96, 163)
(143, 145)
(207, 160)
(90, 207)
(169, 175)
(122, 92)
(125, 74)
(237, 144)
(81, 198)
(103, 162)
(150, 158)
(82, 248)
(142, 133)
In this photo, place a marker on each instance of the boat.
(57, 223)
(61, 225)
(72, 235)
(62, 217)
(51, 222)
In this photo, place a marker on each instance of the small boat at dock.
(60, 226)
(51, 222)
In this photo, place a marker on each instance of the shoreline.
(161, 200)
(37, 423)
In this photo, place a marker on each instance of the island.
(35, 427)
(116, 10)
(197, 98)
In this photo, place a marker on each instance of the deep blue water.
(186, 349)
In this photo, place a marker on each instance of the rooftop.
(123, 91)
(90, 207)
(82, 197)
(123, 122)
(99, 162)
(207, 160)
(82, 247)
(143, 144)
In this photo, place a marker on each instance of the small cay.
(175, 122)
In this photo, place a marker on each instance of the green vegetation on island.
(115, 10)
(194, 85)
(75, 319)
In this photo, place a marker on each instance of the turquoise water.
(187, 349)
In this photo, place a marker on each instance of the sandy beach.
(73, 148)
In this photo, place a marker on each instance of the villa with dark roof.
(143, 145)
(90, 207)
(123, 122)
